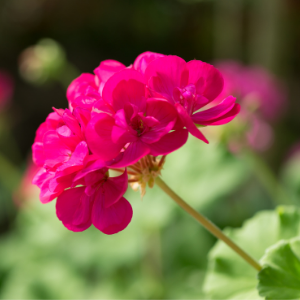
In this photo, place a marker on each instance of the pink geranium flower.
(262, 99)
(137, 125)
(122, 117)
(190, 87)
(255, 83)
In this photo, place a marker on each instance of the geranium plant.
(126, 120)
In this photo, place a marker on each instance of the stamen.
(162, 161)
(149, 167)
(132, 180)
(135, 168)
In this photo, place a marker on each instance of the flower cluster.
(122, 117)
(263, 101)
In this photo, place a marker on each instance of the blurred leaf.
(280, 277)
(291, 176)
(229, 276)
(203, 173)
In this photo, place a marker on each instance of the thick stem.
(212, 228)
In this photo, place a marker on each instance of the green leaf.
(280, 277)
(229, 276)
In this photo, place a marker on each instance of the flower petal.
(76, 161)
(80, 85)
(132, 154)
(144, 59)
(225, 118)
(55, 150)
(46, 195)
(165, 114)
(73, 208)
(125, 87)
(99, 137)
(71, 122)
(67, 137)
(83, 116)
(106, 69)
(38, 154)
(114, 189)
(112, 219)
(94, 166)
(214, 112)
(188, 123)
(213, 80)
(169, 142)
(164, 74)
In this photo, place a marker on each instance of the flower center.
(186, 97)
(144, 172)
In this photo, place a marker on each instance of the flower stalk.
(211, 227)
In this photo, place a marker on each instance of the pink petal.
(67, 137)
(38, 154)
(188, 123)
(76, 161)
(94, 166)
(122, 133)
(144, 59)
(73, 208)
(54, 119)
(112, 219)
(83, 116)
(55, 150)
(107, 68)
(214, 112)
(43, 128)
(225, 118)
(134, 152)
(165, 114)
(125, 87)
(102, 107)
(86, 102)
(99, 137)
(164, 74)
(122, 136)
(213, 79)
(61, 182)
(41, 176)
(169, 142)
(79, 85)
(71, 122)
(114, 189)
(46, 195)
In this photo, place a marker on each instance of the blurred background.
(250, 164)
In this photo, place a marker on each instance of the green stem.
(211, 227)
(267, 179)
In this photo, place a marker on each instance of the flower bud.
(42, 62)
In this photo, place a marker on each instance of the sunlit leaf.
(229, 276)
(280, 277)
